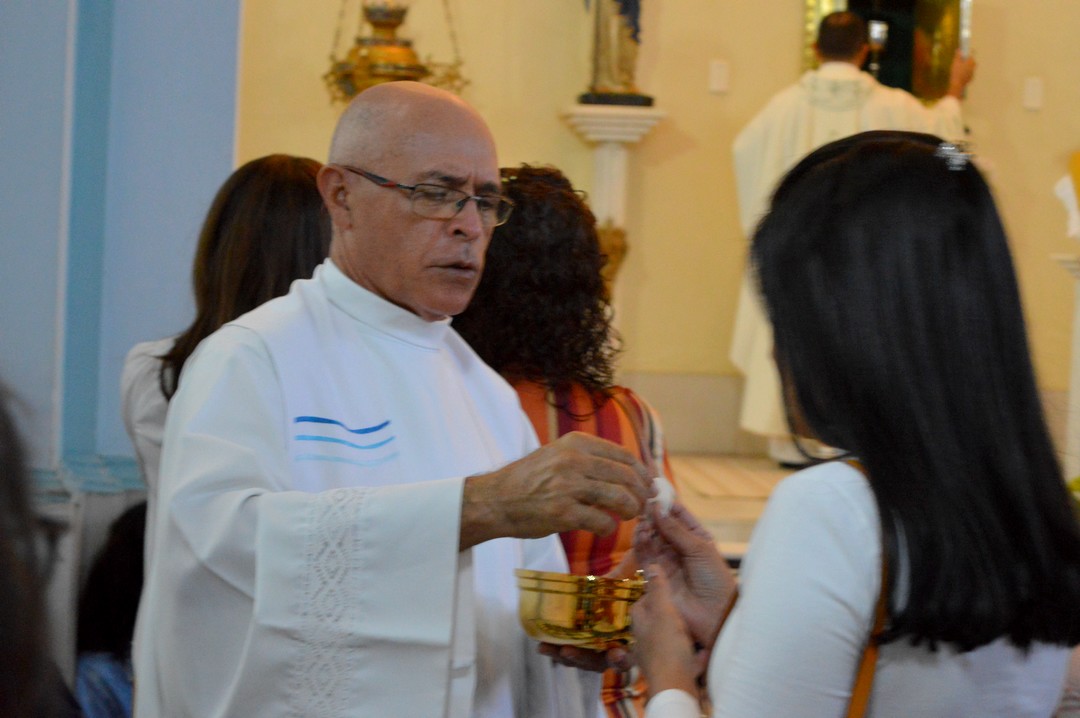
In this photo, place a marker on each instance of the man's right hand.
(961, 73)
(575, 482)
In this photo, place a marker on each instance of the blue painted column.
(170, 146)
(116, 128)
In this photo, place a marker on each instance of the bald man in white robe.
(342, 498)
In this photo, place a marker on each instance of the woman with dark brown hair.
(266, 227)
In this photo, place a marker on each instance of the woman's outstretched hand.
(702, 586)
(663, 647)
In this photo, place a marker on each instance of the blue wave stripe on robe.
(322, 420)
(343, 442)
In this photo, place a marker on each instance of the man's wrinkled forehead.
(478, 185)
(454, 154)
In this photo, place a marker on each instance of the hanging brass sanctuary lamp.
(382, 56)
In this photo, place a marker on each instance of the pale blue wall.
(33, 47)
(171, 141)
(120, 115)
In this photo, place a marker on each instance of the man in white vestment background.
(835, 100)
(343, 497)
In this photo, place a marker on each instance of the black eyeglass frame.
(499, 214)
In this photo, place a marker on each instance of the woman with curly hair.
(542, 319)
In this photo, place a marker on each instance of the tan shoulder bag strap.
(864, 675)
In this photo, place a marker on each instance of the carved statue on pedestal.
(613, 246)
(616, 35)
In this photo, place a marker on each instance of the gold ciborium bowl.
(588, 611)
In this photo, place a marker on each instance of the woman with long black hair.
(899, 336)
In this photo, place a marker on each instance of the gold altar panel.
(923, 37)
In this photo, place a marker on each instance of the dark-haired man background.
(835, 100)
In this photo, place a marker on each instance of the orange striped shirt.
(625, 419)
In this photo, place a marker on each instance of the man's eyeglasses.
(437, 202)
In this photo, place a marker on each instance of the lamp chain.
(452, 32)
(337, 30)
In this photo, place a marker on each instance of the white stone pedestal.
(1071, 263)
(611, 128)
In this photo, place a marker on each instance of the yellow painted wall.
(1027, 153)
(677, 291)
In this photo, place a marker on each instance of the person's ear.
(860, 58)
(335, 194)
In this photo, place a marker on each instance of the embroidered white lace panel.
(326, 664)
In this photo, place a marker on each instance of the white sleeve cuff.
(673, 703)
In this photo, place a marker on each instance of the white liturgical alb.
(305, 529)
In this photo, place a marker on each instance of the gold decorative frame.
(943, 25)
(815, 10)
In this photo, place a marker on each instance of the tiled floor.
(726, 493)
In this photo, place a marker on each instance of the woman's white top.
(809, 586)
(143, 405)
